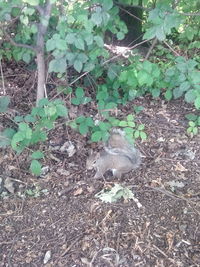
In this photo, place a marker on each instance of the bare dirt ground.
(64, 224)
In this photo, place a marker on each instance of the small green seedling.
(80, 97)
(194, 123)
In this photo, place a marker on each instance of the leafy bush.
(33, 129)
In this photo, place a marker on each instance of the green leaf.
(123, 123)
(6, 136)
(36, 167)
(168, 94)
(130, 117)
(197, 102)
(76, 101)
(155, 92)
(83, 128)
(78, 65)
(192, 123)
(79, 92)
(190, 96)
(37, 155)
(89, 121)
(131, 124)
(96, 18)
(70, 38)
(96, 136)
(28, 118)
(4, 102)
(144, 78)
(26, 57)
(79, 43)
(58, 65)
(191, 117)
(143, 135)
(120, 36)
(50, 45)
(89, 67)
(136, 134)
(61, 110)
(107, 4)
(42, 102)
(27, 131)
(80, 119)
(99, 41)
(141, 127)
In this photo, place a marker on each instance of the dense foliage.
(65, 35)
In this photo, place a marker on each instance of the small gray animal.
(119, 156)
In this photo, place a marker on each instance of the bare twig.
(130, 14)
(19, 44)
(151, 48)
(2, 77)
(134, 6)
(176, 54)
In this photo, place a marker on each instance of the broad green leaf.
(89, 121)
(155, 92)
(80, 119)
(37, 155)
(143, 135)
(191, 117)
(79, 43)
(144, 78)
(96, 18)
(79, 92)
(120, 36)
(70, 38)
(107, 4)
(50, 44)
(168, 94)
(136, 134)
(29, 118)
(83, 128)
(130, 117)
(88, 67)
(96, 136)
(58, 65)
(123, 123)
(141, 127)
(78, 65)
(99, 41)
(4, 102)
(6, 136)
(177, 92)
(197, 102)
(36, 167)
(61, 110)
(26, 57)
(190, 96)
(76, 101)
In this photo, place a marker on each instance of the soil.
(56, 220)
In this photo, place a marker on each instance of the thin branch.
(19, 44)
(3, 84)
(135, 6)
(190, 14)
(151, 48)
(176, 54)
(126, 11)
